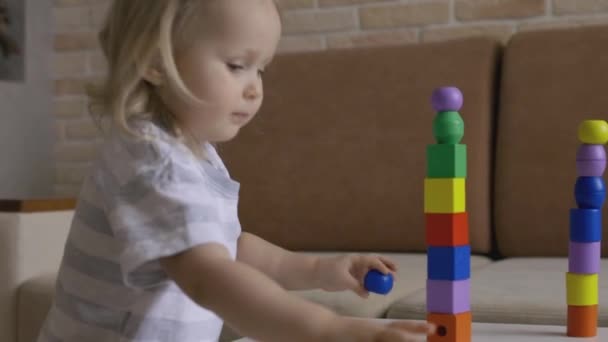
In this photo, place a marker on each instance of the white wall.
(26, 114)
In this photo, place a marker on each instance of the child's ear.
(154, 76)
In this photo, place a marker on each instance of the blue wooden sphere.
(377, 282)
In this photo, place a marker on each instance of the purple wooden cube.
(590, 160)
(448, 296)
(447, 99)
(584, 257)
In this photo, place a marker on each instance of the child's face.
(224, 67)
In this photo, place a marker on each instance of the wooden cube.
(444, 195)
(582, 321)
(448, 296)
(584, 257)
(447, 229)
(449, 263)
(585, 225)
(446, 161)
(582, 289)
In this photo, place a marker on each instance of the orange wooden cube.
(582, 321)
(450, 327)
(447, 229)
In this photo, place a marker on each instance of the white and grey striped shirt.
(143, 200)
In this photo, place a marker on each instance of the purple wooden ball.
(447, 99)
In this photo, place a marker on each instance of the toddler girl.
(155, 252)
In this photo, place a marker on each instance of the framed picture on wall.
(12, 40)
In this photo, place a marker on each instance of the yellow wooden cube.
(444, 195)
(582, 289)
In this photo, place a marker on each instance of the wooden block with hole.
(444, 195)
(582, 321)
(451, 327)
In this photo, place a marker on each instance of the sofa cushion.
(34, 300)
(336, 158)
(551, 82)
(32, 235)
(517, 290)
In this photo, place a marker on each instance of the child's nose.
(251, 92)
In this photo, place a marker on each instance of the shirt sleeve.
(159, 204)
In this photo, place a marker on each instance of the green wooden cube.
(446, 161)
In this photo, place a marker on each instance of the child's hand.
(352, 329)
(347, 272)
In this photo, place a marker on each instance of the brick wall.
(308, 25)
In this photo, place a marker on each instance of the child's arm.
(246, 299)
(297, 271)
(255, 306)
(293, 271)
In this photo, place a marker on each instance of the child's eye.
(235, 67)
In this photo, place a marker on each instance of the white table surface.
(494, 332)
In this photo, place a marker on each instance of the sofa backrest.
(335, 159)
(32, 235)
(551, 81)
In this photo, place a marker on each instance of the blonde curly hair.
(138, 35)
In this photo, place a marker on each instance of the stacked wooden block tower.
(586, 230)
(447, 231)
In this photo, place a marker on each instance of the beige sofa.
(336, 159)
(32, 234)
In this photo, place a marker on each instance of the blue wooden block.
(590, 192)
(449, 263)
(585, 225)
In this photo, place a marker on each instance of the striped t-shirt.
(143, 200)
